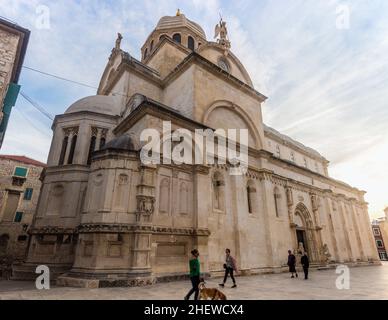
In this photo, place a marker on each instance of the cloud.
(326, 87)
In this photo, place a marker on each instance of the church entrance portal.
(301, 238)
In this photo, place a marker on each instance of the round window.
(223, 65)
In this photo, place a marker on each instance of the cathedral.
(105, 218)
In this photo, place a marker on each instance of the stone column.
(69, 134)
(291, 215)
(56, 147)
(82, 147)
(202, 207)
(317, 227)
(370, 238)
(331, 228)
(357, 231)
(238, 212)
(141, 248)
(345, 228)
(268, 206)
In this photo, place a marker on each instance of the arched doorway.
(305, 233)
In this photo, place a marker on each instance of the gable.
(216, 54)
(166, 57)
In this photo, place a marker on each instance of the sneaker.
(234, 286)
(221, 285)
(292, 277)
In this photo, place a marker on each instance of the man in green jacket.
(194, 275)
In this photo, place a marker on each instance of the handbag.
(224, 265)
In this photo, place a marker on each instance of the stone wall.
(17, 231)
(8, 49)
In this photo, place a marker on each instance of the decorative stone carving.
(145, 205)
(301, 248)
(314, 201)
(118, 41)
(222, 32)
(326, 253)
(290, 199)
(70, 131)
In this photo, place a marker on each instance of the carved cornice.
(52, 230)
(121, 228)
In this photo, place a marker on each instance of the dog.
(212, 293)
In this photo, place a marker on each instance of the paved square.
(365, 283)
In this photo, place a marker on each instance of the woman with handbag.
(229, 266)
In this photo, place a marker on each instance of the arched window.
(177, 37)
(251, 197)
(277, 198)
(183, 198)
(191, 43)
(145, 53)
(92, 147)
(218, 191)
(72, 149)
(63, 150)
(152, 45)
(164, 196)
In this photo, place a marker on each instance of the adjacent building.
(13, 46)
(105, 217)
(19, 193)
(380, 232)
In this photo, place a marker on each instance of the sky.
(323, 64)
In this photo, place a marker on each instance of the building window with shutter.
(20, 172)
(28, 194)
(18, 216)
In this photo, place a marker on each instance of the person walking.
(291, 264)
(194, 275)
(305, 264)
(229, 266)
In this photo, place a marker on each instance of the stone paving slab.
(365, 283)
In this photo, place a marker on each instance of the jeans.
(195, 282)
(229, 271)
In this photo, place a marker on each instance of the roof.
(23, 159)
(172, 22)
(100, 104)
(12, 27)
(287, 139)
(123, 142)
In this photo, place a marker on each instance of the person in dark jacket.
(194, 275)
(230, 265)
(291, 264)
(305, 264)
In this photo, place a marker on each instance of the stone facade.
(105, 218)
(13, 43)
(19, 194)
(380, 232)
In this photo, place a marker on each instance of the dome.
(100, 104)
(178, 21)
(124, 142)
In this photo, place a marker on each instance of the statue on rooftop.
(222, 32)
(118, 41)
